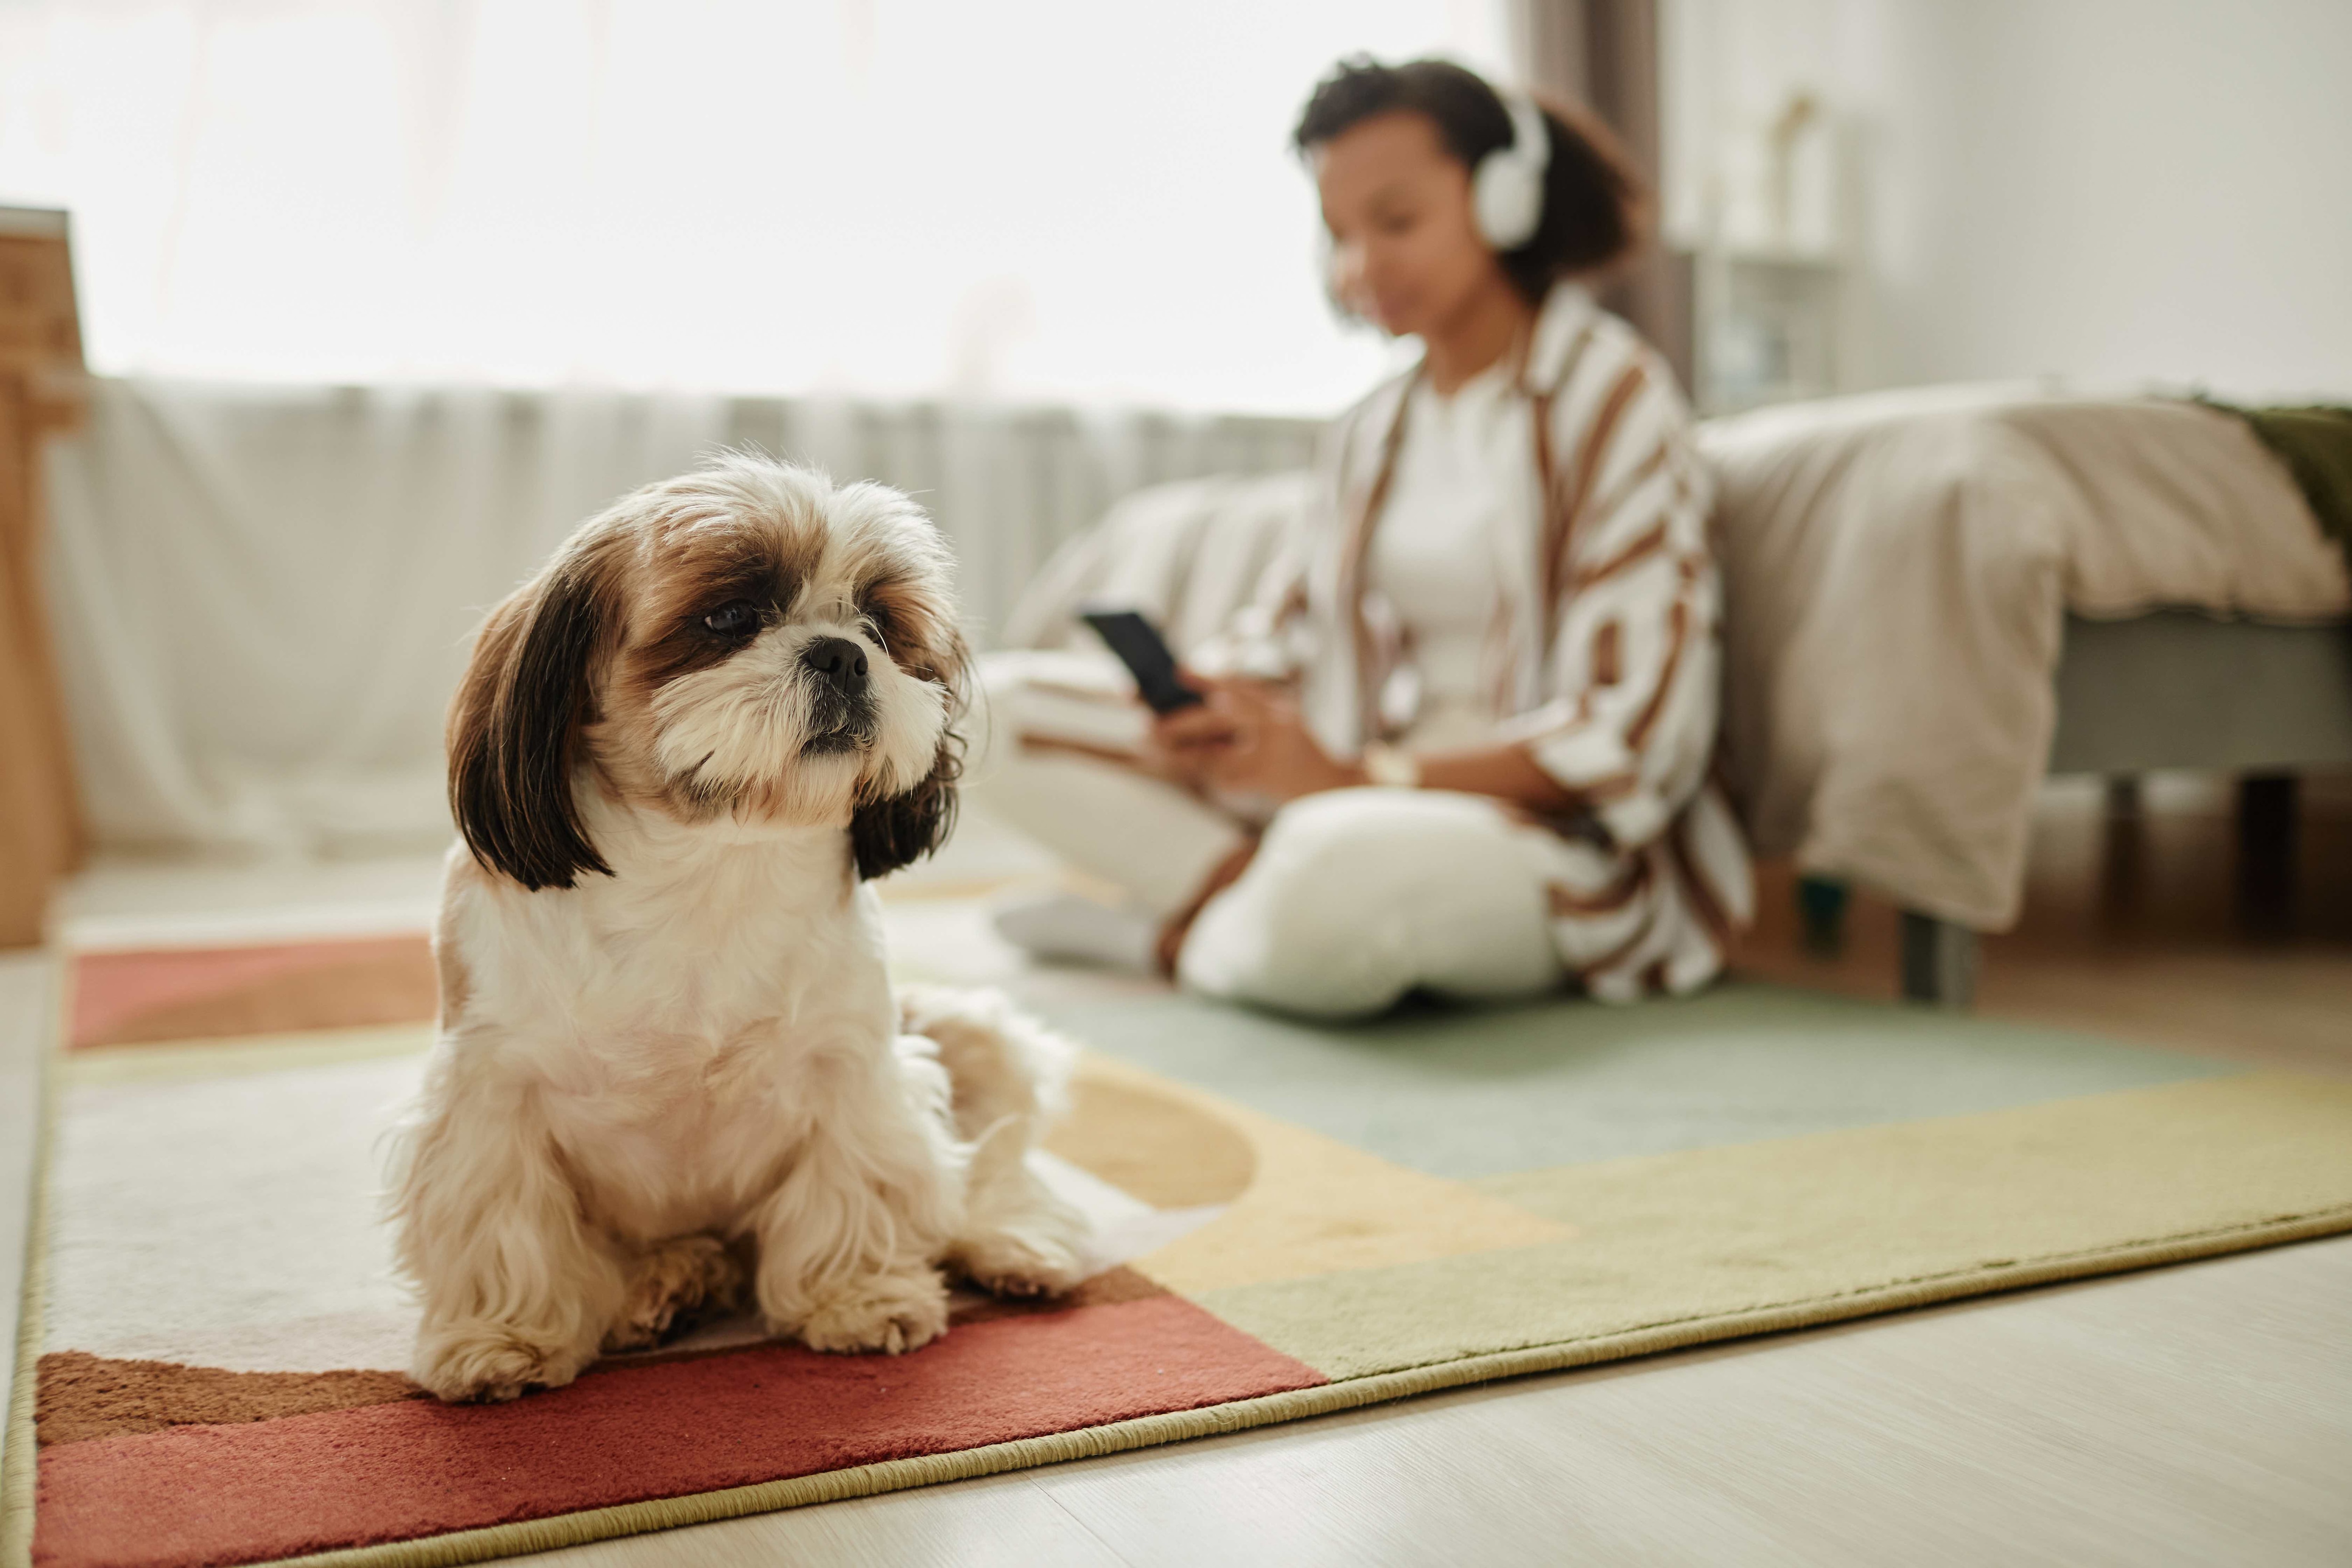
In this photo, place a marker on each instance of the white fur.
(659, 1086)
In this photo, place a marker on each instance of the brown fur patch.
(456, 983)
(764, 562)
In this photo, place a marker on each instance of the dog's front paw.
(493, 1361)
(892, 1312)
(673, 1278)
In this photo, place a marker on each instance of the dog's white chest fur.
(679, 1016)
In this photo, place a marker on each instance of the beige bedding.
(1897, 567)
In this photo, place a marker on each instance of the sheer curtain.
(1027, 199)
(262, 593)
(389, 294)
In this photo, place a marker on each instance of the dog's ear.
(902, 829)
(514, 730)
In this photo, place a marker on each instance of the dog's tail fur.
(1010, 1078)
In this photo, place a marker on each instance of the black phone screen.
(1145, 653)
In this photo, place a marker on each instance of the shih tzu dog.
(671, 1070)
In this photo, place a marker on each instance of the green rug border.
(19, 1469)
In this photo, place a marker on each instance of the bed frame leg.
(1939, 961)
(2123, 852)
(1821, 909)
(2267, 834)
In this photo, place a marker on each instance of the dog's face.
(748, 641)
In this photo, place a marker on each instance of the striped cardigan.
(1604, 653)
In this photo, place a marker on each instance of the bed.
(2182, 690)
(1935, 599)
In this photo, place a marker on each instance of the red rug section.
(396, 1472)
(115, 989)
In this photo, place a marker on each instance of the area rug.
(1288, 1220)
(198, 992)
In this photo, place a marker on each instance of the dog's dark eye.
(886, 631)
(735, 618)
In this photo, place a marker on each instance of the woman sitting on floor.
(1461, 742)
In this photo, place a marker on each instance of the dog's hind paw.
(890, 1313)
(1009, 1263)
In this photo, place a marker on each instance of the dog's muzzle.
(842, 711)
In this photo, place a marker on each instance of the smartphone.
(1145, 653)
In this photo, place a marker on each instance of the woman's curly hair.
(1595, 207)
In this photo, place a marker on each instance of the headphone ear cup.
(1507, 197)
(1506, 192)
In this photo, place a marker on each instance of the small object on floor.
(1821, 902)
(1070, 927)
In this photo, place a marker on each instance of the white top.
(1437, 544)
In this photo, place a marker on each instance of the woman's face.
(1406, 254)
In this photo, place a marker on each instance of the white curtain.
(262, 596)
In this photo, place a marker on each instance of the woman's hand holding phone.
(1246, 738)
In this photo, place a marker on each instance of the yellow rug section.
(1822, 1227)
(1166, 1150)
(1311, 1206)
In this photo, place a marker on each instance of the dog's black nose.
(840, 661)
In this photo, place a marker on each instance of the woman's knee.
(1337, 827)
(1330, 918)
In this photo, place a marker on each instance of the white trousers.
(1353, 897)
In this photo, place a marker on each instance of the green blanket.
(2316, 445)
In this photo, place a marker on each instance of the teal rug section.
(1465, 1092)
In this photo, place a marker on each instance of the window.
(1022, 199)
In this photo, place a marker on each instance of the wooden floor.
(2133, 926)
(2197, 1414)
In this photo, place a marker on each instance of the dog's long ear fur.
(900, 830)
(514, 730)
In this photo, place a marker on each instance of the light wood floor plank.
(26, 981)
(996, 1521)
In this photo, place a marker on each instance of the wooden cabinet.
(41, 835)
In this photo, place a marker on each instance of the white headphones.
(1506, 190)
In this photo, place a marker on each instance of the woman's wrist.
(1388, 767)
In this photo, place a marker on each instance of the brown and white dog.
(670, 1062)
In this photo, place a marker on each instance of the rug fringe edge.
(19, 1450)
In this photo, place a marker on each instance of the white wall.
(2114, 191)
